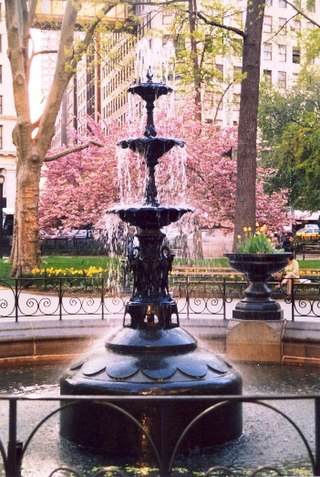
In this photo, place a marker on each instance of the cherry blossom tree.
(205, 177)
(33, 139)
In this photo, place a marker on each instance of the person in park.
(291, 274)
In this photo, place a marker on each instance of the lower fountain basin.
(168, 363)
(149, 217)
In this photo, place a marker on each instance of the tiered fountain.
(150, 354)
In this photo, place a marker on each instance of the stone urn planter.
(258, 268)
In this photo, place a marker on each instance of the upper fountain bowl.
(151, 148)
(149, 91)
(149, 217)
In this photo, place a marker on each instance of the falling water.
(161, 59)
(152, 53)
(172, 181)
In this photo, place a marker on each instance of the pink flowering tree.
(203, 175)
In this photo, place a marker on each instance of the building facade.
(99, 87)
(7, 120)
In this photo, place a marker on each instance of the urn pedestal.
(257, 304)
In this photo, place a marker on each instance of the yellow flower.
(245, 229)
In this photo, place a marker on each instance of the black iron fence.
(103, 297)
(22, 439)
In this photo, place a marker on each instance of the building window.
(237, 74)
(180, 44)
(237, 46)
(267, 51)
(267, 74)
(282, 79)
(269, 3)
(167, 18)
(282, 4)
(220, 70)
(1, 107)
(297, 25)
(283, 25)
(267, 24)
(295, 78)
(236, 102)
(0, 74)
(296, 55)
(282, 53)
(1, 137)
(311, 5)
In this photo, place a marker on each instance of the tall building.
(7, 120)
(99, 87)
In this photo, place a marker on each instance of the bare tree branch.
(302, 13)
(282, 27)
(168, 2)
(221, 99)
(90, 32)
(44, 52)
(71, 150)
(220, 25)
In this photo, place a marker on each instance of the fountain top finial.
(149, 75)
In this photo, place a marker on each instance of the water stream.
(267, 438)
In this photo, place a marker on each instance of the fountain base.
(153, 362)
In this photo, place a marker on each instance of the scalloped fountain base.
(150, 362)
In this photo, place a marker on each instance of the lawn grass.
(79, 263)
(308, 264)
(62, 262)
(83, 263)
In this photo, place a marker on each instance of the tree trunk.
(32, 141)
(25, 253)
(245, 211)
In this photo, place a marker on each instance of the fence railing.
(101, 297)
(17, 452)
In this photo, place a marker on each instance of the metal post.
(2, 179)
(16, 299)
(102, 298)
(164, 459)
(14, 447)
(224, 299)
(292, 298)
(60, 299)
(188, 298)
(317, 436)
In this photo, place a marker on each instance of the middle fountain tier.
(150, 354)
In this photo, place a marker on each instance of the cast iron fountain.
(150, 354)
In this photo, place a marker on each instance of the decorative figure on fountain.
(150, 262)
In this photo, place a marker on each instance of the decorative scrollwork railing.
(206, 297)
(167, 461)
